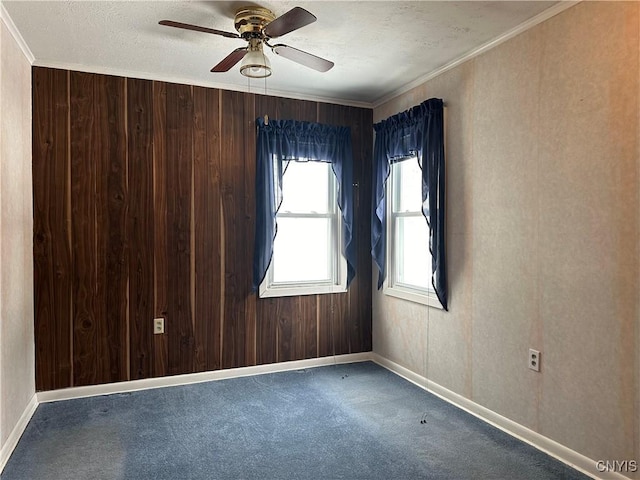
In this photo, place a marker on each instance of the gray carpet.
(355, 421)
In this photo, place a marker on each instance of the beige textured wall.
(543, 241)
(17, 373)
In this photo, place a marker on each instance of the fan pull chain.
(266, 117)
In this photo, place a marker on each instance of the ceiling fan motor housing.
(250, 21)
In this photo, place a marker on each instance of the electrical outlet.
(534, 360)
(158, 326)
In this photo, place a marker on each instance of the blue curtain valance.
(418, 131)
(279, 142)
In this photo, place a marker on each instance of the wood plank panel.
(306, 338)
(287, 327)
(160, 247)
(302, 110)
(266, 331)
(363, 145)
(297, 329)
(248, 226)
(99, 160)
(352, 320)
(51, 220)
(286, 313)
(207, 229)
(178, 326)
(266, 105)
(164, 226)
(266, 309)
(111, 218)
(85, 148)
(235, 247)
(141, 227)
(357, 294)
(214, 352)
(334, 310)
(202, 266)
(359, 321)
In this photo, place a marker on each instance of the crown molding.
(541, 17)
(559, 7)
(13, 30)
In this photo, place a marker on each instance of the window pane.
(412, 257)
(301, 250)
(407, 183)
(305, 187)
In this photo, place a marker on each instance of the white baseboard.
(175, 380)
(566, 455)
(572, 458)
(135, 385)
(16, 433)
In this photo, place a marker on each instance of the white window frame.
(390, 287)
(338, 264)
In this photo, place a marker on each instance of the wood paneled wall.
(144, 207)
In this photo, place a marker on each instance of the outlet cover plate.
(158, 326)
(534, 360)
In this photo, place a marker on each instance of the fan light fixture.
(255, 63)
(257, 26)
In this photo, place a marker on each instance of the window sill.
(296, 291)
(430, 299)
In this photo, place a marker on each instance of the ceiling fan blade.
(230, 60)
(303, 58)
(292, 20)
(196, 28)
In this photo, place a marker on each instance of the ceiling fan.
(258, 26)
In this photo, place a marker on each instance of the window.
(408, 256)
(318, 156)
(417, 132)
(306, 251)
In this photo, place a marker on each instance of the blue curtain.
(282, 141)
(418, 131)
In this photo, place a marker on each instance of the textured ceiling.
(378, 47)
